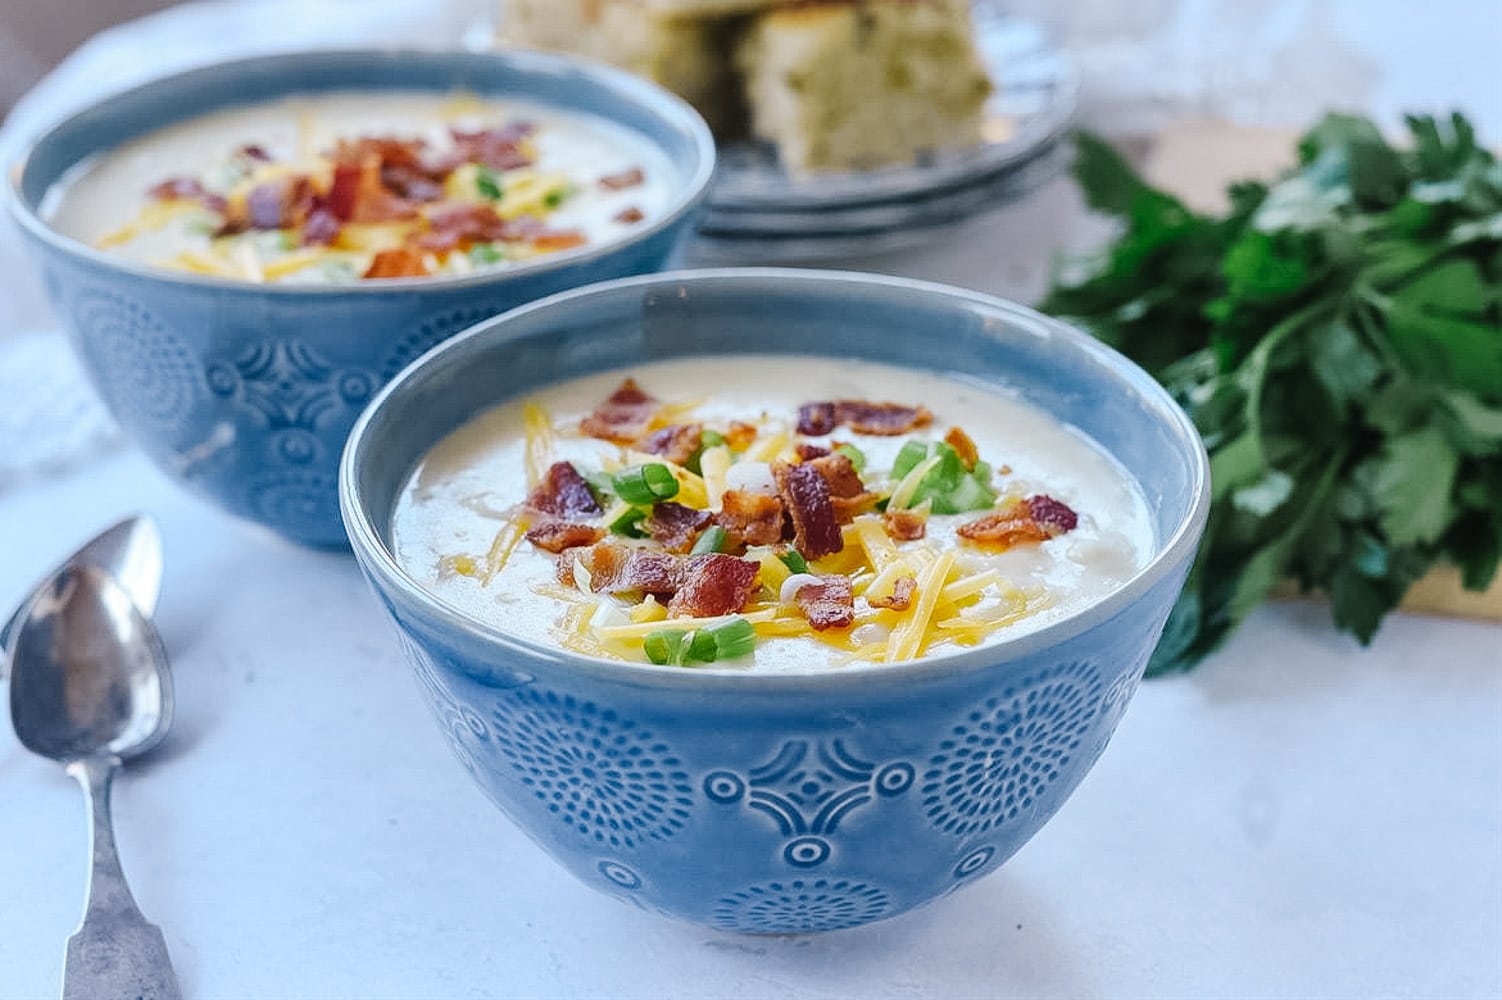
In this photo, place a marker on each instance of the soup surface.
(344, 186)
(769, 513)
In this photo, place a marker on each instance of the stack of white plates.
(757, 213)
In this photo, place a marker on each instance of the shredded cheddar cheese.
(908, 636)
(538, 427)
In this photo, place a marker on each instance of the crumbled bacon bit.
(877, 419)
(398, 262)
(739, 435)
(817, 419)
(619, 569)
(828, 603)
(251, 151)
(555, 536)
(884, 419)
(629, 216)
(321, 229)
(563, 493)
(624, 179)
(750, 518)
(410, 184)
(496, 148)
(521, 229)
(1055, 516)
(1036, 519)
(808, 452)
(839, 473)
(847, 494)
(462, 226)
(674, 526)
(345, 189)
(658, 573)
(901, 597)
(805, 495)
(677, 443)
(178, 189)
(715, 584)
(188, 189)
(563, 239)
(358, 195)
(408, 157)
(963, 446)
(263, 206)
(280, 204)
(904, 525)
(623, 417)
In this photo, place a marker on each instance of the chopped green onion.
(730, 641)
(645, 484)
(906, 492)
(951, 468)
(944, 474)
(907, 459)
(941, 479)
(734, 639)
(856, 456)
(488, 183)
(664, 646)
(793, 560)
(971, 494)
(710, 439)
(485, 253)
(713, 540)
(554, 198)
(701, 646)
(629, 523)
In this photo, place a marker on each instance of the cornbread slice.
(708, 8)
(853, 84)
(657, 39)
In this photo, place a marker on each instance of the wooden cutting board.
(1196, 160)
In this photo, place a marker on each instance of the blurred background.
(1195, 91)
(1276, 62)
(36, 34)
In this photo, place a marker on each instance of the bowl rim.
(385, 573)
(660, 102)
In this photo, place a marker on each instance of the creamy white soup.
(344, 186)
(769, 513)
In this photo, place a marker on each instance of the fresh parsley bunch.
(1337, 339)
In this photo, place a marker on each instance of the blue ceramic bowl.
(775, 803)
(246, 392)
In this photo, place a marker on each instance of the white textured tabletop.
(1298, 818)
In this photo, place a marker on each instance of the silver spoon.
(130, 551)
(90, 686)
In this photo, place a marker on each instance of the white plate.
(872, 229)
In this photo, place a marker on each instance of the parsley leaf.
(1336, 336)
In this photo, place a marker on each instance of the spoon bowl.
(90, 686)
(129, 550)
(90, 673)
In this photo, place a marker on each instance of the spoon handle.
(115, 952)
